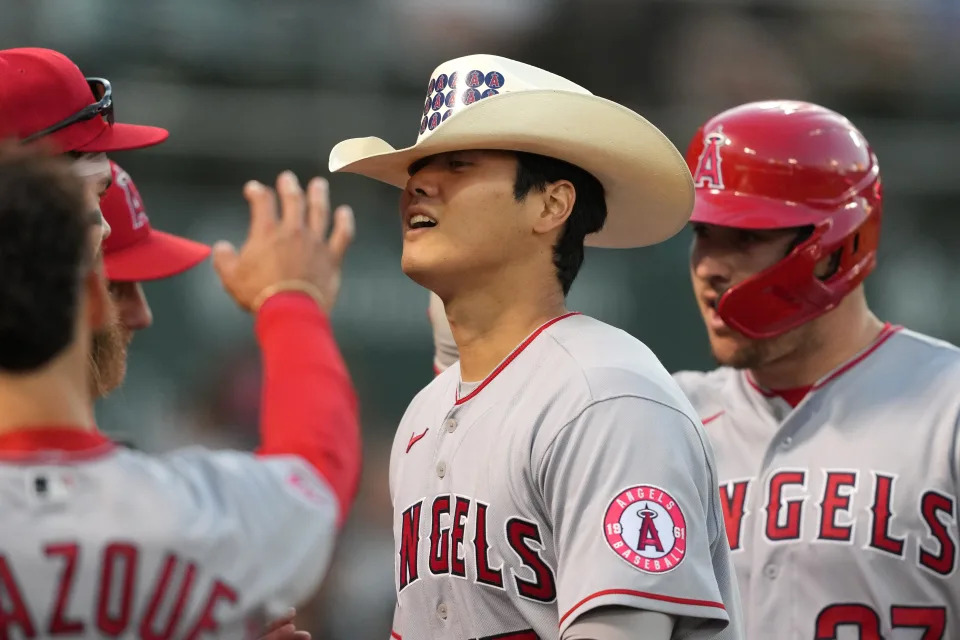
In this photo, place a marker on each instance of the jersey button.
(451, 425)
(771, 571)
(786, 442)
(441, 469)
(442, 611)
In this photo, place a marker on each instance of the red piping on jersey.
(53, 445)
(885, 334)
(643, 594)
(395, 635)
(309, 405)
(758, 388)
(516, 352)
(414, 439)
(706, 421)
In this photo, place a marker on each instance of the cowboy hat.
(489, 102)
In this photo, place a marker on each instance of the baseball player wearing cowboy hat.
(197, 541)
(555, 482)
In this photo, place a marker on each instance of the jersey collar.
(510, 358)
(885, 333)
(53, 444)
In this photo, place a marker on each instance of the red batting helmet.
(782, 164)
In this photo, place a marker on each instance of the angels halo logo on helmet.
(786, 164)
(708, 174)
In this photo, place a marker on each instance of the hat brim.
(648, 187)
(158, 255)
(124, 137)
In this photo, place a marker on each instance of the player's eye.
(748, 237)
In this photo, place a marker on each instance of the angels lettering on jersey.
(787, 498)
(795, 511)
(470, 533)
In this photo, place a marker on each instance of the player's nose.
(423, 184)
(107, 229)
(711, 267)
(132, 306)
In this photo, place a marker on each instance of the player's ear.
(557, 199)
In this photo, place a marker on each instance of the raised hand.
(288, 250)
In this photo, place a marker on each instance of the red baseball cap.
(134, 251)
(44, 91)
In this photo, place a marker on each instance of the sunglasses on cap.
(100, 87)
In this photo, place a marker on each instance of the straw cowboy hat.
(489, 102)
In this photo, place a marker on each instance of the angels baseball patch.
(645, 526)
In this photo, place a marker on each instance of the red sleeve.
(309, 405)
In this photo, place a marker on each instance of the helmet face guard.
(789, 293)
(779, 165)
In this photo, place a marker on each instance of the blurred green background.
(248, 89)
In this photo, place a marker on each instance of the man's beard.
(755, 354)
(749, 356)
(108, 359)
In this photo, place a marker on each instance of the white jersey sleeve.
(635, 520)
(279, 515)
(621, 623)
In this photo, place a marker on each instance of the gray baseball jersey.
(842, 512)
(575, 476)
(98, 541)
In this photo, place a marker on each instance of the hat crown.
(40, 87)
(458, 84)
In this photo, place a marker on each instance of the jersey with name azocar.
(99, 541)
